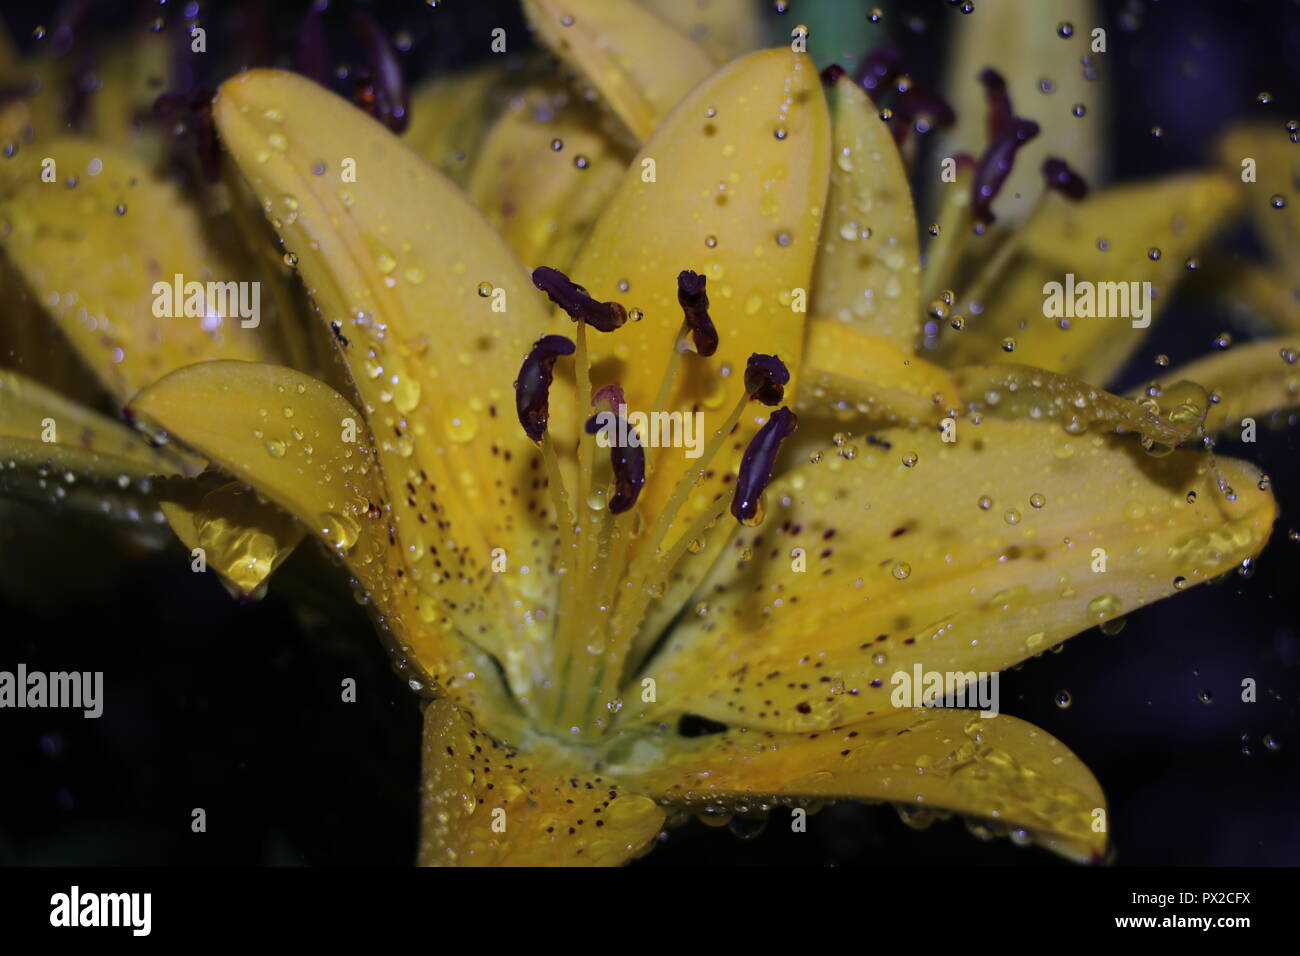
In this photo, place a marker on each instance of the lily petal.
(55, 451)
(486, 804)
(318, 464)
(959, 557)
(542, 199)
(1254, 380)
(868, 266)
(998, 770)
(1140, 232)
(431, 326)
(871, 380)
(450, 116)
(1276, 166)
(641, 65)
(95, 268)
(725, 28)
(243, 539)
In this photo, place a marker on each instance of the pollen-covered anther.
(577, 302)
(765, 378)
(1006, 134)
(757, 463)
(694, 300)
(1059, 176)
(533, 386)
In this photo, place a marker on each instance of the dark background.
(236, 708)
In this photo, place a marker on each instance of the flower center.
(612, 561)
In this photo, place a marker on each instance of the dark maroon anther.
(879, 69)
(626, 454)
(382, 92)
(575, 300)
(766, 378)
(1059, 176)
(922, 109)
(833, 74)
(69, 25)
(533, 387)
(758, 461)
(694, 300)
(312, 58)
(1006, 134)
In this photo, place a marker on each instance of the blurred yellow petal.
(57, 452)
(641, 65)
(999, 771)
(734, 203)
(726, 29)
(486, 804)
(1274, 162)
(131, 76)
(432, 324)
(1022, 41)
(868, 270)
(959, 557)
(242, 539)
(544, 200)
(1138, 232)
(451, 115)
(95, 269)
(869, 378)
(1253, 380)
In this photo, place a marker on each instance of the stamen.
(879, 70)
(694, 300)
(1006, 133)
(533, 387)
(577, 302)
(626, 458)
(757, 463)
(1059, 176)
(381, 91)
(311, 58)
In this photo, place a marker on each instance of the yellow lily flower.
(565, 639)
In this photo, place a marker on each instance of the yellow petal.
(131, 77)
(436, 320)
(55, 451)
(1141, 232)
(1018, 391)
(725, 28)
(959, 557)
(869, 379)
(641, 65)
(242, 539)
(753, 239)
(1276, 166)
(1003, 772)
(450, 116)
(486, 804)
(1254, 380)
(95, 269)
(868, 266)
(305, 448)
(541, 199)
(1022, 42)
